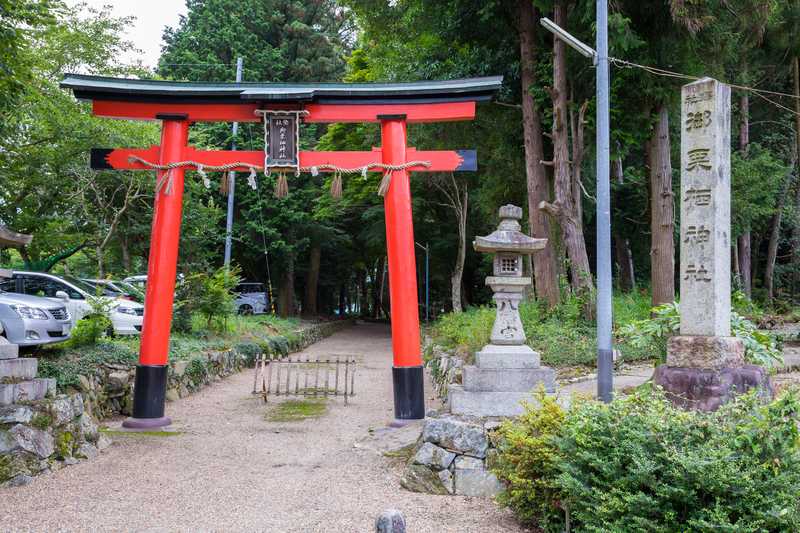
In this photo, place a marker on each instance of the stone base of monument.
(704, 372)
(503, 378)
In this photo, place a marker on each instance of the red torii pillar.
(177, 105)
(407, 375)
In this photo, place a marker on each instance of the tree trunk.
(101, 271)
(458, 269)
(743, 245)
(662, 225)
(744, 241)
(622, 246)
(384, 288)
(377, 287)
(544, 261)
(312, 281)
(125, 253)
(286, 293)
(795, 248)
(564, 209)
(363, 301)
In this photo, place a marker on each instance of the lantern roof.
(126, 89)
(507, 237)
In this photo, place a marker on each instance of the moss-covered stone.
(65, 442)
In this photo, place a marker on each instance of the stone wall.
(45, 435)
(454, 455)
(108, 391)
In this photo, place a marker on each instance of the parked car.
(30, 320)
(137, 281)
(251, 298)
(117, 289)
(126, 316)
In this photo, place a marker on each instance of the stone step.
(508, 379)
(492, 356)
(482, 403)
(22, 367)
(29, 391)
(8, 351)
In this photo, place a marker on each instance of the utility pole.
(232, 180)
(605, 351)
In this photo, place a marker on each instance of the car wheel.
(246, 309)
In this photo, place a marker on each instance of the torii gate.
(282, 107)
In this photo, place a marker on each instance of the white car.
(126, 316)
(251, 298)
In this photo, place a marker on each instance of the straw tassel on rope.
(224, 186)
(336, 185)
(282, 186)
(383, 188)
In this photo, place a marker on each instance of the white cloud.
(152, 16)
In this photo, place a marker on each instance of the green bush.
(528, 462)
(89, 330)
(209, 295)
(640, 464)
(250, 351)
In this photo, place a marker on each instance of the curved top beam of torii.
(282, 106)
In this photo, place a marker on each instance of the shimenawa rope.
(201, 168)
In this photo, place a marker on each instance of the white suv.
(126, 316)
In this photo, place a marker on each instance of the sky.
(151, 18)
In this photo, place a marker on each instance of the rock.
(7, 442)
(69, 461)
(33, 440)
(172, 395)
(77, 405)
(419, 478)
(103, 442)
(62, 410)
(468, 463)
(472, 479)
(456, 435)
(15, 414)
(86, 451)
(700, 351)
(390, 521)
(446, 477)
(117, 381)
(51, 385)
(88, 429)
(179, 368)
(18, 480)
(433, 456)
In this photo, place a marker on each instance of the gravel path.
(231, 470)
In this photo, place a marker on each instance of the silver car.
(31, 320)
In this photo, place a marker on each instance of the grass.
(561, 334)
(297, 410)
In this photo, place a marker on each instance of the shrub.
(528, 462)
(89, 330)
(641, 464)
(210, 295)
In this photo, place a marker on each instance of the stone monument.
(705, 364)
(507, 371)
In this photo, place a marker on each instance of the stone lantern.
(507, 371)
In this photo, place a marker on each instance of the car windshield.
(82, 285)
